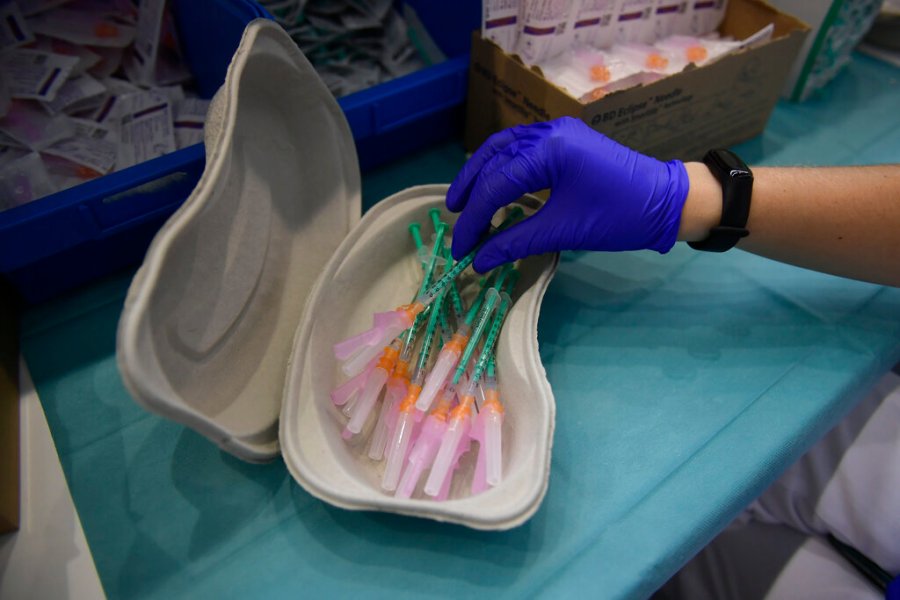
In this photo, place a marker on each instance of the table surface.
(684, 384)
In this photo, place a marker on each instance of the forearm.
(839, 220)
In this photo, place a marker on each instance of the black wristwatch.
(736, 180)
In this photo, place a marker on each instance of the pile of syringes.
(432, 365)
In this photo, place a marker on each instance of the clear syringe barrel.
(459, 310)
(435, 256)
(422, 455)
(481, 322)
(455, 299)
(457, 429)
(490, 301)
(369, 394)
(391, 330)
(442, 368)
(433, 260)
(392, 398)
(491, 339)
(398, 447)
(397, 451)
(342, 393)
(430, 327)
(429, 294)
(367, 399)
(446, 330)
(492, 419)
(409, 338)
(426, 447)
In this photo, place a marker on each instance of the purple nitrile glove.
(603, 196)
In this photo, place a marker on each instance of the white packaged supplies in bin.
(229, 324)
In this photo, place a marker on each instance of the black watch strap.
(736, 180)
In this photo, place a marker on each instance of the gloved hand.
(603, 196)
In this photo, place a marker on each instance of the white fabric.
(755, 561)
(848, 485)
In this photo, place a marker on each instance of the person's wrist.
(702, 209)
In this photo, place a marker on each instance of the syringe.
(461, 416)
(388, 325)
(369, 394)
(398, 447)
(464, 339)
(488, 431)
(455, 299)
(427, 443)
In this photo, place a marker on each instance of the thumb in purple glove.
(603, 196)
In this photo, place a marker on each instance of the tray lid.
(206, 332)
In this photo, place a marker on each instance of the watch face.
(729, 163)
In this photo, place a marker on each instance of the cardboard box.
(680, 116)
(9, 410)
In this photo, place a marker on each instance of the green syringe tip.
(435, 214)
(415, 231)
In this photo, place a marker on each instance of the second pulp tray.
(229, 323)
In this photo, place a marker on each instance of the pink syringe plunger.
(457, 434)
(427, 443)
(400, 442)
(371, 390)
(367, 345)
(446, 361)
(444, 492)
(396, 389)
(491, 426)
(344, 392)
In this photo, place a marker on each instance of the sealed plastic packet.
(500, 23)
(705, 17)
(34, 74)
(145, 128)
(593, 23)
(648, 58)
(116, 88)
(87, 59)
(584, 69)
(155, 57)
(14, 31)
(90, 153)
(545, 29)
(634, 21)
(77, 93)
(190, 114)
(697, 50)
(670, 17)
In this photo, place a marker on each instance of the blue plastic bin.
(80, 234)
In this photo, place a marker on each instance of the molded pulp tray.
(229, 323)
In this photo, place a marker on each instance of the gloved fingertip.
(454, 198)
(484, 264)
(488, 258)
(458, 248)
